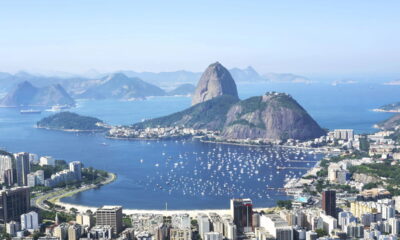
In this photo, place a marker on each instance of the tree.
(321, 232)
(284, 204)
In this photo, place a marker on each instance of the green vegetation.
(251, 105)
(321, 232)
(284, 204)
(127, 221)
(210, 114)
(4, 235)
(93, 176)
(371, 185)
(387, 171)
(51, 215)
(364, 144)
(70, 121)
(48, 169)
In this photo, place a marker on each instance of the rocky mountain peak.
(214, 82)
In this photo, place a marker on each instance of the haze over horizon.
(342, 38)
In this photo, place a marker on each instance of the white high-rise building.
(76, 168)
(30, 221)
(12, 228)
(204, 225)
(6, 170)
(394, 225)
(36, 178)
(47, 160)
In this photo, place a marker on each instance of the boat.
(57, 108)
(30, 111)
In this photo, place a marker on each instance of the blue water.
(190, 175)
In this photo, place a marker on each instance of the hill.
(183, 89)
(393, 107)
(119, 86)
(209, 115)
(272, 116)
(68, 121)
(25, 94)
(392, 123)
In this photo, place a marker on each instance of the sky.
(304, 37)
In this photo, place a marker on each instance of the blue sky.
(304, 37)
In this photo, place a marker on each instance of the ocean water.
(190, 174)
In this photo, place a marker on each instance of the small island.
(68, 121)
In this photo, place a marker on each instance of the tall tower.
(22, 168)
(329, 203)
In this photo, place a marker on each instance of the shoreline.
(318, 150)
(386, 111)
(56, 196)
(70, 130)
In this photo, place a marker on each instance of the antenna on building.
(166, 206)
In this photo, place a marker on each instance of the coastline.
(387, 111)
(56, 196)
(71, 130)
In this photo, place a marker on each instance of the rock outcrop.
(215, 81)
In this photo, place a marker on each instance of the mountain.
(215, 81)
(119, 86)
(393, 107)
(272, 116)
(216, 106)
(286, 78)
(166, 79)
(246, 75)
(183, 89)
(392, 123)
(25, 94)
(210, 115)
(68, 121)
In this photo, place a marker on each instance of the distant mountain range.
(120, 86)
(183, 90)
(78, 84)
(25, 94)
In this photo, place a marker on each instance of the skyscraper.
(22, 168)
(76, 168)
(329, 202)
(6, 170)
(242, 213)
(111, 216)
(13, 203)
